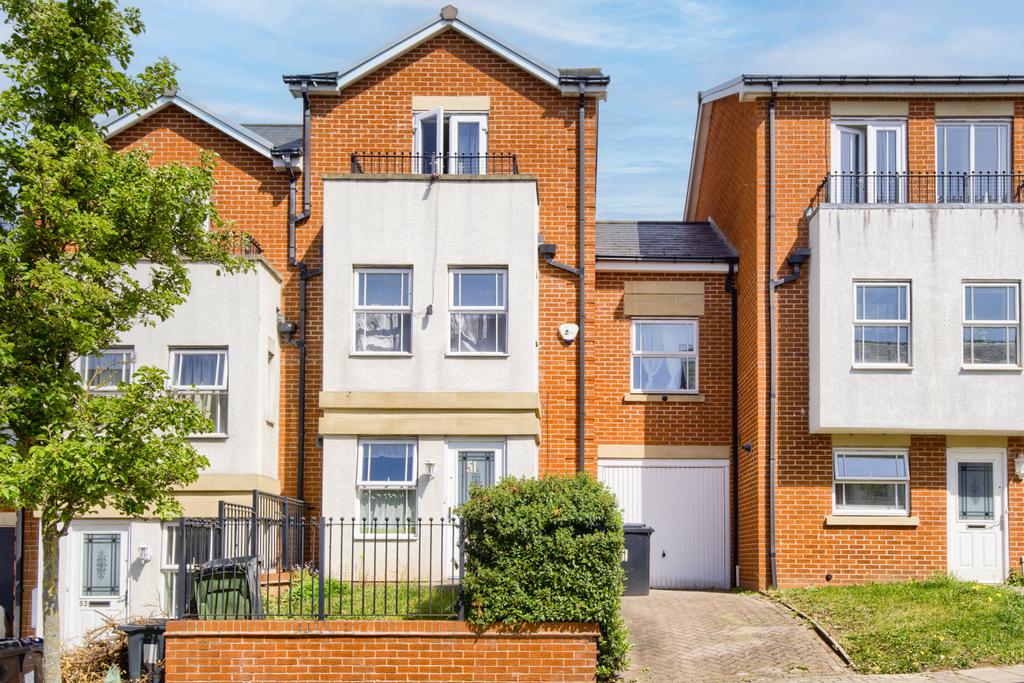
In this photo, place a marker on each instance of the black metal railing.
(403, 163)
(238, 242)
(293, 567)
(919, 188)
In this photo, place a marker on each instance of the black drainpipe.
(19, 570)
(581, 353)
(305, 274)
(772, 339)
(730, 287)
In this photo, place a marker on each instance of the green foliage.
(941, 623)
(543, 550)
(356, 599)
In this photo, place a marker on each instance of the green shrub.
(543, 550)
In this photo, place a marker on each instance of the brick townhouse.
(880, 231)
(421, 235)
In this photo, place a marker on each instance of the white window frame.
(364, 486)
(869, 127)
(870, 322)
(634, 354)
(417, 139)
(127, 352)
(972, 125)
(358, 308)
(458, 311)
(221, 387)
(868, 510)
(1015, 323)
(453, 140)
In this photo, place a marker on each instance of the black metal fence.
(434, 164)
(247, 563)
(920, 188)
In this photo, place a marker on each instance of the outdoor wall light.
(1018, 465)
(430, 468)
(145, 554)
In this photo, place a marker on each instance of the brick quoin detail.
(377, 651)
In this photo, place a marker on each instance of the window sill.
(991, 368)
(360, 354)
(208, 437)
(451, 354)
(663, 398)
(894, 367)
(871, 520)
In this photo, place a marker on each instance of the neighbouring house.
(880, 230)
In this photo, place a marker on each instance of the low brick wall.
(379, 651)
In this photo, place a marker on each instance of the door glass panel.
(953, 163)
(886, 181)
(102, 564)
(974, 491)
(475, 468)
(468, 160)
(851, 166)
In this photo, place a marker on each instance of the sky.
(659, 54)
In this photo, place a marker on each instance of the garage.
(686, 502)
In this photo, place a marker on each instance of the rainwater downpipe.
(772, 337)
(305, 274)
(730, 288)
(581, 353)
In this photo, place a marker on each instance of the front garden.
(941, 623)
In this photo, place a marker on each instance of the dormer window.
(450, 142)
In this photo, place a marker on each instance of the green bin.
(228, 589)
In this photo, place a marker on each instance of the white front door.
(96, 575)
(976, 481)
(686, 502)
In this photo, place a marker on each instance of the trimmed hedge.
(550, 549)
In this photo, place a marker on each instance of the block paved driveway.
(721, 636)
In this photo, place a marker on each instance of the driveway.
(720, 636)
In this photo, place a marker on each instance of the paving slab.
(721, 636)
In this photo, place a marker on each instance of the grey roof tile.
(662, 241)
(284, 136)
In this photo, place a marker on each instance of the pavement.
(730, 637)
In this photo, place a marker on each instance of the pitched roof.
(253, 137)
(568, 81)
(665, 241)
(286, 137)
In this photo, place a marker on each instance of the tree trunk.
(51, 605)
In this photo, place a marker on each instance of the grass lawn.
(918, 626)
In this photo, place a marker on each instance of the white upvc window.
(991, 324)
(972, 160)
(387, 486)
(102, 372)
(664, 356)
(868, 161)
(203, 374)
(871, 481)
(881, 323)
(450, 142)
(383, 311)
(200, 550)
(478, 304)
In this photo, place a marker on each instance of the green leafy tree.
(91, 243)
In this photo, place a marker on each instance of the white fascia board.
(697, 159)
(419, 36)
(254, 142)
(662, 266)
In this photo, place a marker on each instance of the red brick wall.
(617, 422)
(527, 117)
(377, 651)
(731, 193)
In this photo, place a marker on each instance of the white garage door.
(686, 502)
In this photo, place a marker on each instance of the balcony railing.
(238, 242)
(403, 163)
(919, 188)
